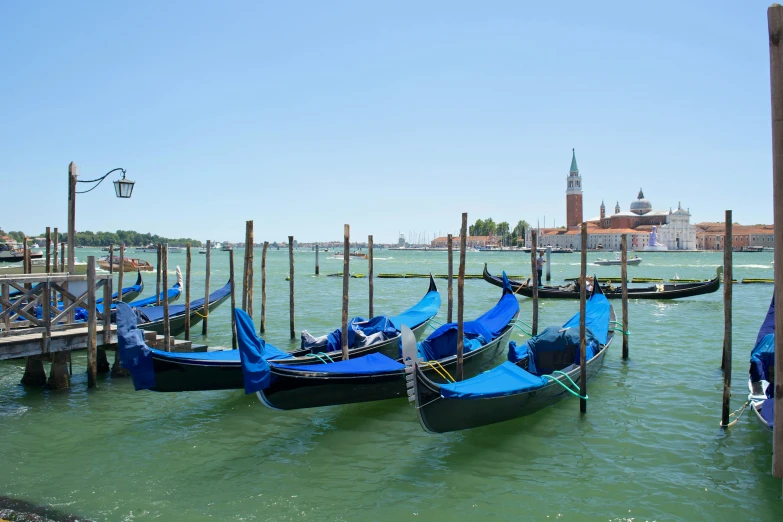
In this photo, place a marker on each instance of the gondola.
(373, 377)
(172, 294)
(657, 291)
(538, 374)
(222, 370)
(151, 317)
(762, 366)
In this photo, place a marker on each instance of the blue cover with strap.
(370, 364)
(506, 379)
(254, 354)
(597, 314)
(762, 357)
(155, 313)
(135, 355)
(126, 290)
(443, 341)
(377, 324)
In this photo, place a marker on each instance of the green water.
(649, 447)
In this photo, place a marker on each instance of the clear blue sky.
(390, 116)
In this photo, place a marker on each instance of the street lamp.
(123, 188)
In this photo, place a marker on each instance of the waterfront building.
(711, 236)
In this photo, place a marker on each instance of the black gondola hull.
(669, 291)
(439, 415)
(291, 389)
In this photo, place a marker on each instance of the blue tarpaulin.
(135, 355)
(506, 379)
(598, 311)
(762, 357)
(370, 364)
(417, 314)
(768, 412)
(254, 354)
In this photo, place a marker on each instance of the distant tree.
(503, 231)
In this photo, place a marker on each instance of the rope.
(198, 314)
(321, 356)
(558, 381)
(522, 329)
(435, 365)
(618, 323)
(738, 412)
(523, 322)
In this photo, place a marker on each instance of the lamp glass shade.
(123, 188)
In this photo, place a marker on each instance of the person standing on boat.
(540, 265)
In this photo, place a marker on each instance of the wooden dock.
(32, 344)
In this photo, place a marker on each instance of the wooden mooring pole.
(548, 263)
(291, 286)
(534, 279)
(317, 268)
(263, 287)
(450, 245)
(120, 275)
(370, 274)
(157, 281)
(62, 257)
(164, 257)
(188, 263)
(102, 360)
(48, 250)
(728, 273)
(582, 310)
(206, 290)
(233, 298)
(55, 242)
(346, 280)
(116, 368)
(111, 258)
(775, 25)
(92, 338)
(461, 296)
(624, 277)
(247, 275)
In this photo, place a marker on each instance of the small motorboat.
(632, 261)
(130, 264)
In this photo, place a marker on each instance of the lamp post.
(123, 188)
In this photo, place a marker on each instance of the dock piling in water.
(48, 250)
(370, 272)
(56, 241)
(534, 279)
(157, 271)
(624, 277)
(727, 296)
(247, 279)
(582, 310)
(92, 341)
(450, 245)
(164, 255)
(291, 286)
(188, 262)
(263, 287)
(233, 299)
(206, 290)
(346, 280)
(116, 368)
(548, 264)
(461, 297)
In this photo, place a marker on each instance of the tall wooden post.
(120, 276)
(317, 268)
(62, 257)
(164, 257)
(346, 280)
(102, 361)
(157, 282)
(206, 290)
(249, 255)
(92, 340)
(48, 250)
(55, 243)
(582, 310)
(188, 262)
(775, 22)
(111, 259)
(461, 296)
(73, 174)
(728, 277)
(369, 241)
(536, 282)
(233, 299)
(624, 276)
(263, 286)
(25, 256)
(291, 286)
(450, 245)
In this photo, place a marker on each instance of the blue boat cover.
(172, 294)
(768, 411)
(762, 357)
(443, 341)
(375, 325)
(506, 379)
(370, 364)
(417, 314)
(254, 354)
(135, 355)
(390, 326)
(126, 290)
(552, 339)
(155, 313)
(596, 317)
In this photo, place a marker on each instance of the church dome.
(641, 205)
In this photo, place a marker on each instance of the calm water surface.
(649, 447)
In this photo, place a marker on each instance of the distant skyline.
(391, 117)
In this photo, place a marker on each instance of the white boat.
(39, 267)
(632, 261)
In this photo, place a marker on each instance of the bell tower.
(573, 194)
